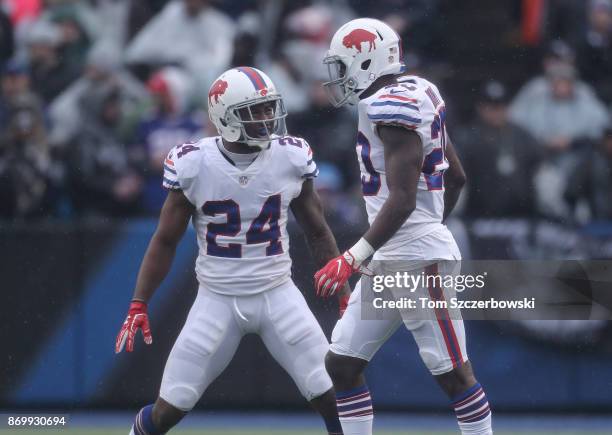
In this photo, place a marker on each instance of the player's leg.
(157, 418)
(294, 338)
(325, 405)
(442, 346)
(354, 343)
(203, 349)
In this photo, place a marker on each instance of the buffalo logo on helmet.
(217, 90)
(358, 37)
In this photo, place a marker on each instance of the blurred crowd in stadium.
(94, 94)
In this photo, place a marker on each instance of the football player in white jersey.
(411, 179)
(237, 188)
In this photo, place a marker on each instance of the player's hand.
(136, 319)
(335, 274)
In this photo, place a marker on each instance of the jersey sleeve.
(395, 106)
(301, 156)
(181, 169)
(170, 180)
(309, 169)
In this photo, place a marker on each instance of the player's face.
(562, 88)
(259, 112)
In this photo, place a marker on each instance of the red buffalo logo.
(358, 37)
(217, 89)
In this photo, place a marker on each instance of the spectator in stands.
(245, 49)
(103, 67)
(562, 112)
(305, 34)
(190, 33)
(170, 123)
(556, 53)
(595, 49)
(500, 159)
(101, 179)
(290, 82)
(75, 41)
(590, 183)
(49, 72)
(25, 160)
(564, 116)
(15, 85)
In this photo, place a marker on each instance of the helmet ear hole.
(366, 64)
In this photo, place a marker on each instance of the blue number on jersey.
(270, 214)
(186, 149)
(288, 140)
(230, 228)
(372, 186)
(433, 177)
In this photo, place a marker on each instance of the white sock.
(482, 427)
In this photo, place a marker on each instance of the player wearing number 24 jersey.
(238, 188)
(411, 179)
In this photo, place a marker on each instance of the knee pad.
(316, 383)
(181, 397)
(436, 363)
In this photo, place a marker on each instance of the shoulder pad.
(182, 166)
(300, 155)
(396, 105)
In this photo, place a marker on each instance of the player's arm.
(308, 211)
(403, 161)
(454, 179)
(173, 221)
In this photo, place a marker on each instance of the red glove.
(335, 274)
(343, 304)
(136, 319)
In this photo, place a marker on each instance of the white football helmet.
(360, 52)
(230, 107)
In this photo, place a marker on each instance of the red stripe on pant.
(448, 332)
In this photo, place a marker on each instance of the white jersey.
(241, 215)
(416, 104)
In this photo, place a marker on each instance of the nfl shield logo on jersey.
(243, 180)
